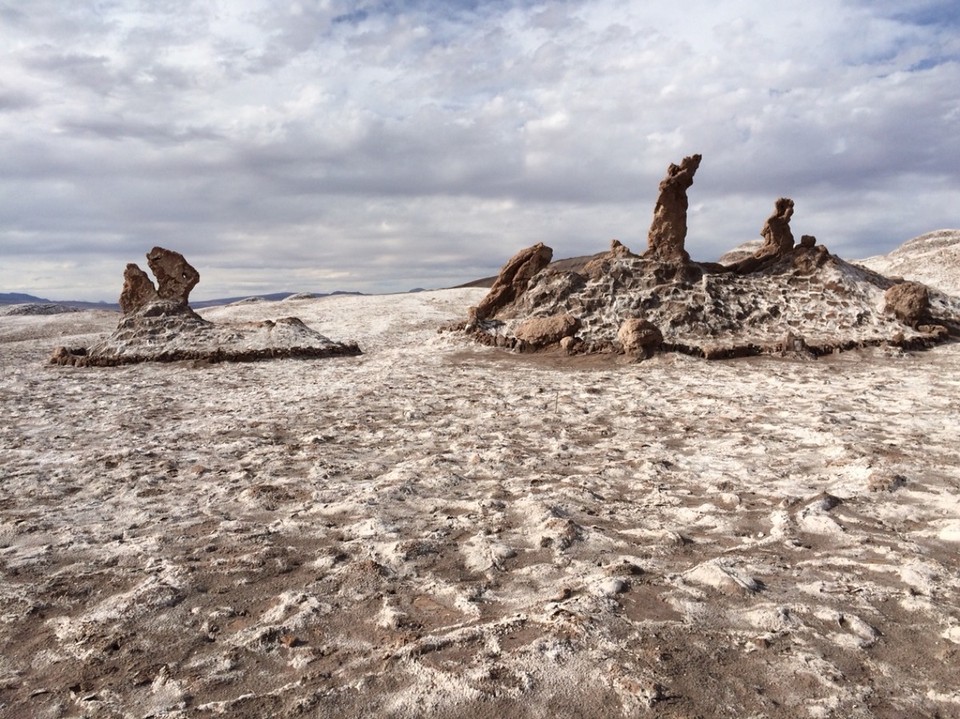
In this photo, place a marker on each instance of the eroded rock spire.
(668, 231)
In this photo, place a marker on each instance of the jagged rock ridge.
(784, 297)
(158, 325)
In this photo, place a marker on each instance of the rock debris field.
(438, 528)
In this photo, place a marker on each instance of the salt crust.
(440, 529)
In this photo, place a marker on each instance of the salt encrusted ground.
(440, 529)
(932, 258)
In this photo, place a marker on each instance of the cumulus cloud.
(321, 144)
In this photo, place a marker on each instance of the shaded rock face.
(909, 302)
(668, 231)
(777, 237)
(513, 279)
(137, 291)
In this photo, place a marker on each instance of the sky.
(321, 145)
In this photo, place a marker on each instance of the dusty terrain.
(441, 529)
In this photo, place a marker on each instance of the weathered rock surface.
(513, 280)
(639, 337)
(541, 332)
(909, 302)
(138, 290)
(668, 231)
(175, 276)
(776, 234)
(781, 298)
(821, 302)
(778, 243)
(158, 325)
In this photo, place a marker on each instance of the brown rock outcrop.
(175, 276)
(668, 231)
(639, 337)
(513, 279)
(545, 331)
(158, 325)
(138, 290)
(777, 237)
(909, 302)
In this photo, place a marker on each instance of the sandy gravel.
(438, 529)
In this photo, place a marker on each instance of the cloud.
(394, 144)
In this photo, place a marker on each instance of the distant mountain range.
(20, 298)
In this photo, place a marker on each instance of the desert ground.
(438, 529)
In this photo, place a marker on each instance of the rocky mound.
(37, 309)
(158, 325)
(933, 259)
(784, 297)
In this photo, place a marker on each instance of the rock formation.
(783, 298)
(638, 337)
(539, 332)
(668, 231)
(175, 276)
(175, 279)
(909, 302)
(513, 279)
(777, 237)
(137, 291)
(778, 250)
(158, 325)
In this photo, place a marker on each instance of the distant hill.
(933, 259)
(18, 298)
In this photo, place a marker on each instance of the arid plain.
(440, 529)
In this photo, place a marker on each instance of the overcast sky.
(317, 145)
